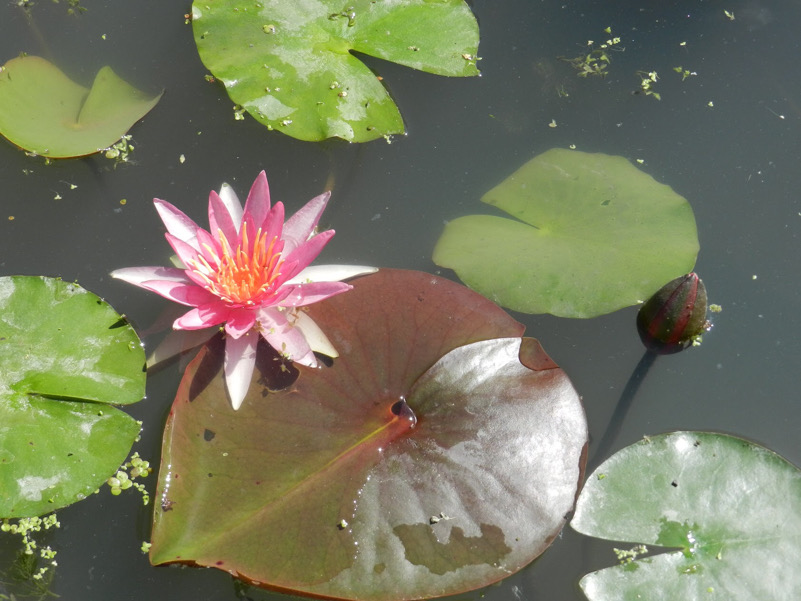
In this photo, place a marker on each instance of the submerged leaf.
(43, 111)
(428, 459)
(591, 234)
(65, 355)
(291, 63)
(732, 509)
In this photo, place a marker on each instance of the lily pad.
(43, 111)
(65, 356)
(291, 63)
(429, 458)
(731, 507)
(595, 234)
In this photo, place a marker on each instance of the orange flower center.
(242, 276)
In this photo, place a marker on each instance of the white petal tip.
(227, 193)
(237, 403)
(309, 361)
(240, 359)
(237, 393)
(363, 270)
(315, 337)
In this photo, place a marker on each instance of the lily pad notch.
(46, 113)
(589, 234)
(291, 66)
(439, 453)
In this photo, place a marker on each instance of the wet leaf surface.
(65, 356)
(591, 234)
(291, 65)
(731, 508)
(43, 111)
(439, 453)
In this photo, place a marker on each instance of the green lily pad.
(731, 507)
(290, 63)
(430, 458)
(43, 111)
(65, 356)
(595, 234)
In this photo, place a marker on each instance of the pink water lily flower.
(251, 272)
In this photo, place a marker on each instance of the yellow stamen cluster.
(241, 277)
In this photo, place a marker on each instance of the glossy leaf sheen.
(732, 507)
(290, 62)
(595, 234)
(43, 111)
(490, 443)
(65, 355)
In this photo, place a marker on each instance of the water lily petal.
(197, 279)
(239, 321)
(284, 337)
(330, 273)
(177, 223)
(273, 226)
(202, 317)
(300, 226)
(307, 252)
(186, 294)
(313, 292)
(186, 252)
(241, 284)
(137, 275)
(316, 338)
(240, 358)
(232, 204)
(274, 300)
(177, 342)
(258, 202)
(220, 218)
(210, 248)
(169, 282)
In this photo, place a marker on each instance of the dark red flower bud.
(670, 320)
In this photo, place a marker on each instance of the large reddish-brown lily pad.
(439, 453)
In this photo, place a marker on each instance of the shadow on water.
(621, 410)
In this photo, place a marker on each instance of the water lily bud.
(670, 320)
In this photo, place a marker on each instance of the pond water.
(728, 139)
